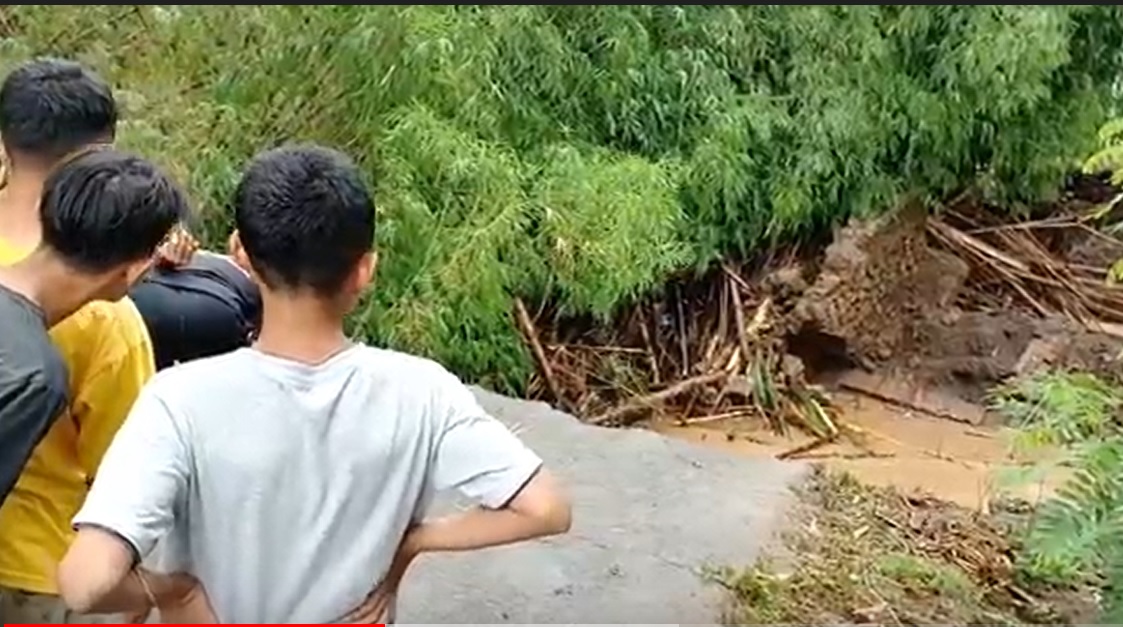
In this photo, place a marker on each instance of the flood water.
(961, 463)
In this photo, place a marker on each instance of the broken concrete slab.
(923, 399)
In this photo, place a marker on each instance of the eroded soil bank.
(874, 353)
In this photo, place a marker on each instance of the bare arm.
(539, 509)
(479, 457)
(128, 509)
(97, 576)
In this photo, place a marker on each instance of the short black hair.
(51, 107)
(103, 208)
(305, 217)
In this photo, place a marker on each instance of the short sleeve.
(105, 398)
(473, 452)
(31, 403)
(110, 355)
(145, 472)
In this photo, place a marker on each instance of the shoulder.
(429, 382)
(52, 375)
(55, 375)
(26, 351)
(105, 335)
(118, 322)
(223, 367)
(402, 367)
(31, 364)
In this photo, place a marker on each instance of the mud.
(891, 297)
(1094, 251)
(971, 466)
(1088, 194)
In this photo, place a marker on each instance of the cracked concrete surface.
(649, 513)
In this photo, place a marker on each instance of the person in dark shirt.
(103, 215)
(33, 378)
(201, 305)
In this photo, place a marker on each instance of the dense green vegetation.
(1109, 159)
(1074, 536)
(582, 154)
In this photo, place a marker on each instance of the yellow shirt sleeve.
(120, 362)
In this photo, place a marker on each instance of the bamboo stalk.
(531, 336)
(624, 412)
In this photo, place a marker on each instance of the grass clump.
(1059, 408)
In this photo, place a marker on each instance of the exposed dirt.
(906, 322)
(887, 300)
(1094, 251)
(1086, 194)
(971, 351)
(954, 303)
(876, 282)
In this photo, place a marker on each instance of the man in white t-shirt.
(289, 479)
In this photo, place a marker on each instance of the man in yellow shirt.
(49, 109)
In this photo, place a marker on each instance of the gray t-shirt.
(33, 384)
(286, 488)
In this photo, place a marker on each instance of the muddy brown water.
(964, 464)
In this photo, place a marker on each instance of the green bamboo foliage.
(583, 153)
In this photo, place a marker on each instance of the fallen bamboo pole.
(646, 402)
(807, 447)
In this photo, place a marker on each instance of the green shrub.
(1108, 159)
(1075, 535)
(583, 153)
(1059, 408)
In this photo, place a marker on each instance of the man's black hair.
(51, 107)
(304, 217)
(104, 208)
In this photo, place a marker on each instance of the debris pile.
(864, 555)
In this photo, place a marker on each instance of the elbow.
(545, 505)
(562, 517)
(555, 516)
(74, 587)
(91, 569)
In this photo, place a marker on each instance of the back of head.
(103, 210)
(304, 218)
(51, 107)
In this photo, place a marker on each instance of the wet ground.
(961, 463)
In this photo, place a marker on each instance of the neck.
(49, 283)
(19, 208)
(300, 327)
